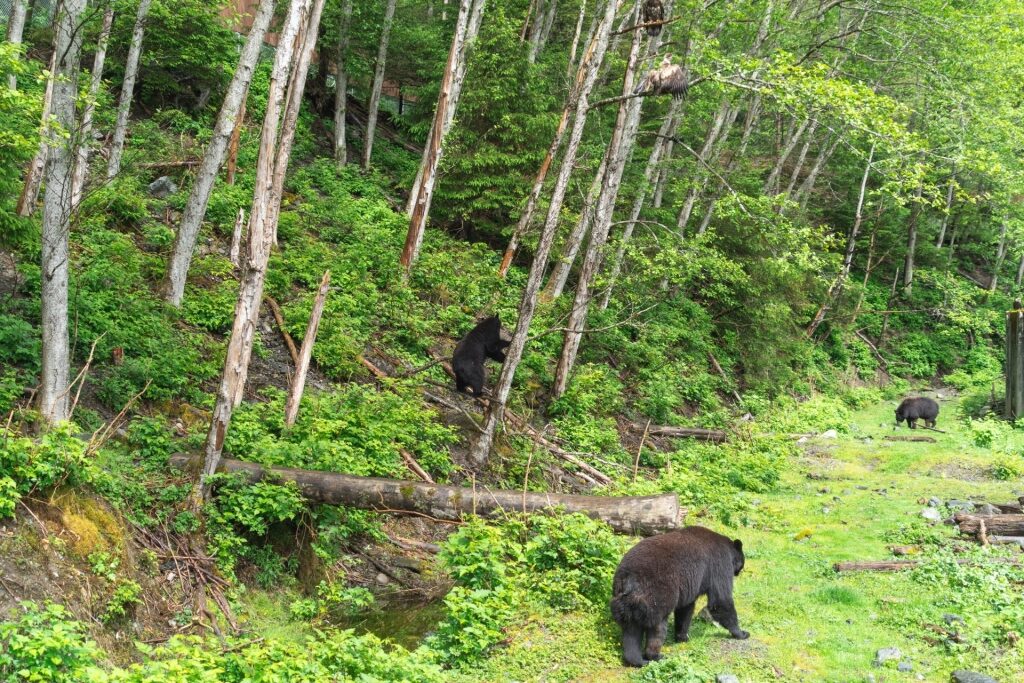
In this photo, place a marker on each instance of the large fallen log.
(916, 439)
(896, 565)
(713, 435)
(643, 515)
(1000, 525)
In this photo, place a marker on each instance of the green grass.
(846, 499)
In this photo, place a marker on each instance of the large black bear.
(667, 573)
(913, 409)
(484, 340)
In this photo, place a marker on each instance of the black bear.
(484, 340)
(913, 409)
(667, 573)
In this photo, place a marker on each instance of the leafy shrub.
(122, 602)
(474, 623)
(45, 644)
(332, 599)
(1007, 467)
(20, 343)
(29, 465)
(477, 555)
(816, 414)
(988, 432)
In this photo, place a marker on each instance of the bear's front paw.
(653, 658)
(682, 637)
(740, 635)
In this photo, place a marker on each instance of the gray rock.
(383, 579)
(887, 653)
(905, 666)
(952, 618)
(934, 502)
(931, 514)
(965, 505)
(987, 509)
(829, 434)
(162, 187)
(964, 676)
(802, 439)
(726, 678)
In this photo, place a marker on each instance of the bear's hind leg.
(655, 639)
(632, 639)
(724, 612)
(684, 615)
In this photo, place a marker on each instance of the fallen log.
(896, 565)
(998, 525)
(643, 515)
(713, 435)
(922, 439)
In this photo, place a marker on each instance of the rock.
(726, 678)
(887, 653)
(934, 502)
(802, 439)
(965, 505)
(987, 509)
(905, 666)
(952, 618)
(964, 676)
(829, 434)
(931, 514)
(162, 187)
(383, 579)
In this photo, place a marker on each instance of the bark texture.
(378, 83)
(82, 154)
(124, 104)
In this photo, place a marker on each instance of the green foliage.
(122, 602)
(474, 623)
(1007, 467)
(817, 414)
(45, 644)
(40, 465)
(476, 555)
(989, 432)
(332, 599)
(672, 669)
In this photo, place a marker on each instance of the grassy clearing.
(847, 499)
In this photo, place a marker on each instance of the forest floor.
(848, 498)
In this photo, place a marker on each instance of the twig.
(640, 448)
(415, 466)
(279, 317)
(82, 374)
(100, 436)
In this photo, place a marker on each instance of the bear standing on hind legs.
(483, 341)
(666, 574)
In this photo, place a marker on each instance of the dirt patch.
(955, 470)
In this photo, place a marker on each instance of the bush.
(45, 644)
(28, 465)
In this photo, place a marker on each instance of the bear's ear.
(739, 544)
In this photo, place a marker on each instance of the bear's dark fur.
(667, 573)
(913, 409)
(483, 341)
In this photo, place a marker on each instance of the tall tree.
(26, 205)
(96, 80)
(378, 83)
(195, 208)
(56, 360)
(124, 104)
(15, 29)
(341, 84)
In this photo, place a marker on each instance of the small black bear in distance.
(484, 340)
(667, 573)
(913, 409)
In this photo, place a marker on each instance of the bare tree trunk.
(851, 246)
(82, 154)
(545, 31)
(15, 30)
(536, 21)
(801, 159)
(1020, 271)
(949, 208)
(717, 123)
(291, 410)
(227, 121)
(467, 27)
(124, 105)
(563, 266)
(378, 83)
(298, 35)
(772, 182)
(625, 514)
(807, 186)
(231, 166)
(236, 239)
(908, 263)
(620, 148)
(638, 201)
(34, 175)
(576, 39)
(580, 103)
(1000, 255)
(341, 85)
(53, 384)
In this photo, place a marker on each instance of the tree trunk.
(1020, 271)
(34, 175)
(1000, 256)
(717, 123)
(652, 164)
(908, 263)
(341, 85)
(227, 120)
(53, 384)
(535, 17)
(712, 435)
(807, 186)
(15, 30)
(896, 565)
(642, 515)
(576, 39)
(1005, 525)
(801, 159)
(378, 83)
(579, 99)
(544, 30)
(620, 149)
(82, 154)
(467, 27)
(234, 142)
(124, 105)
(772, 183)
(236, 240)
(851, 246)
(949, 208)
(291, 410)
(563, 266)
(298, 34)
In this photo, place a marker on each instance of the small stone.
(383, 579)
(829, 434)
(726, 678)
(870, 678)
(919, 677)
(965, 505)
(988, 509)
(934, 502)
(162, 187)
(887, 653)
(931, 514)
(802, 439)
(952, 618)
(905, 667)
(964, 676)
(825, 509)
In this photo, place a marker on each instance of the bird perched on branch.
(653, 10)
(667, 79)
